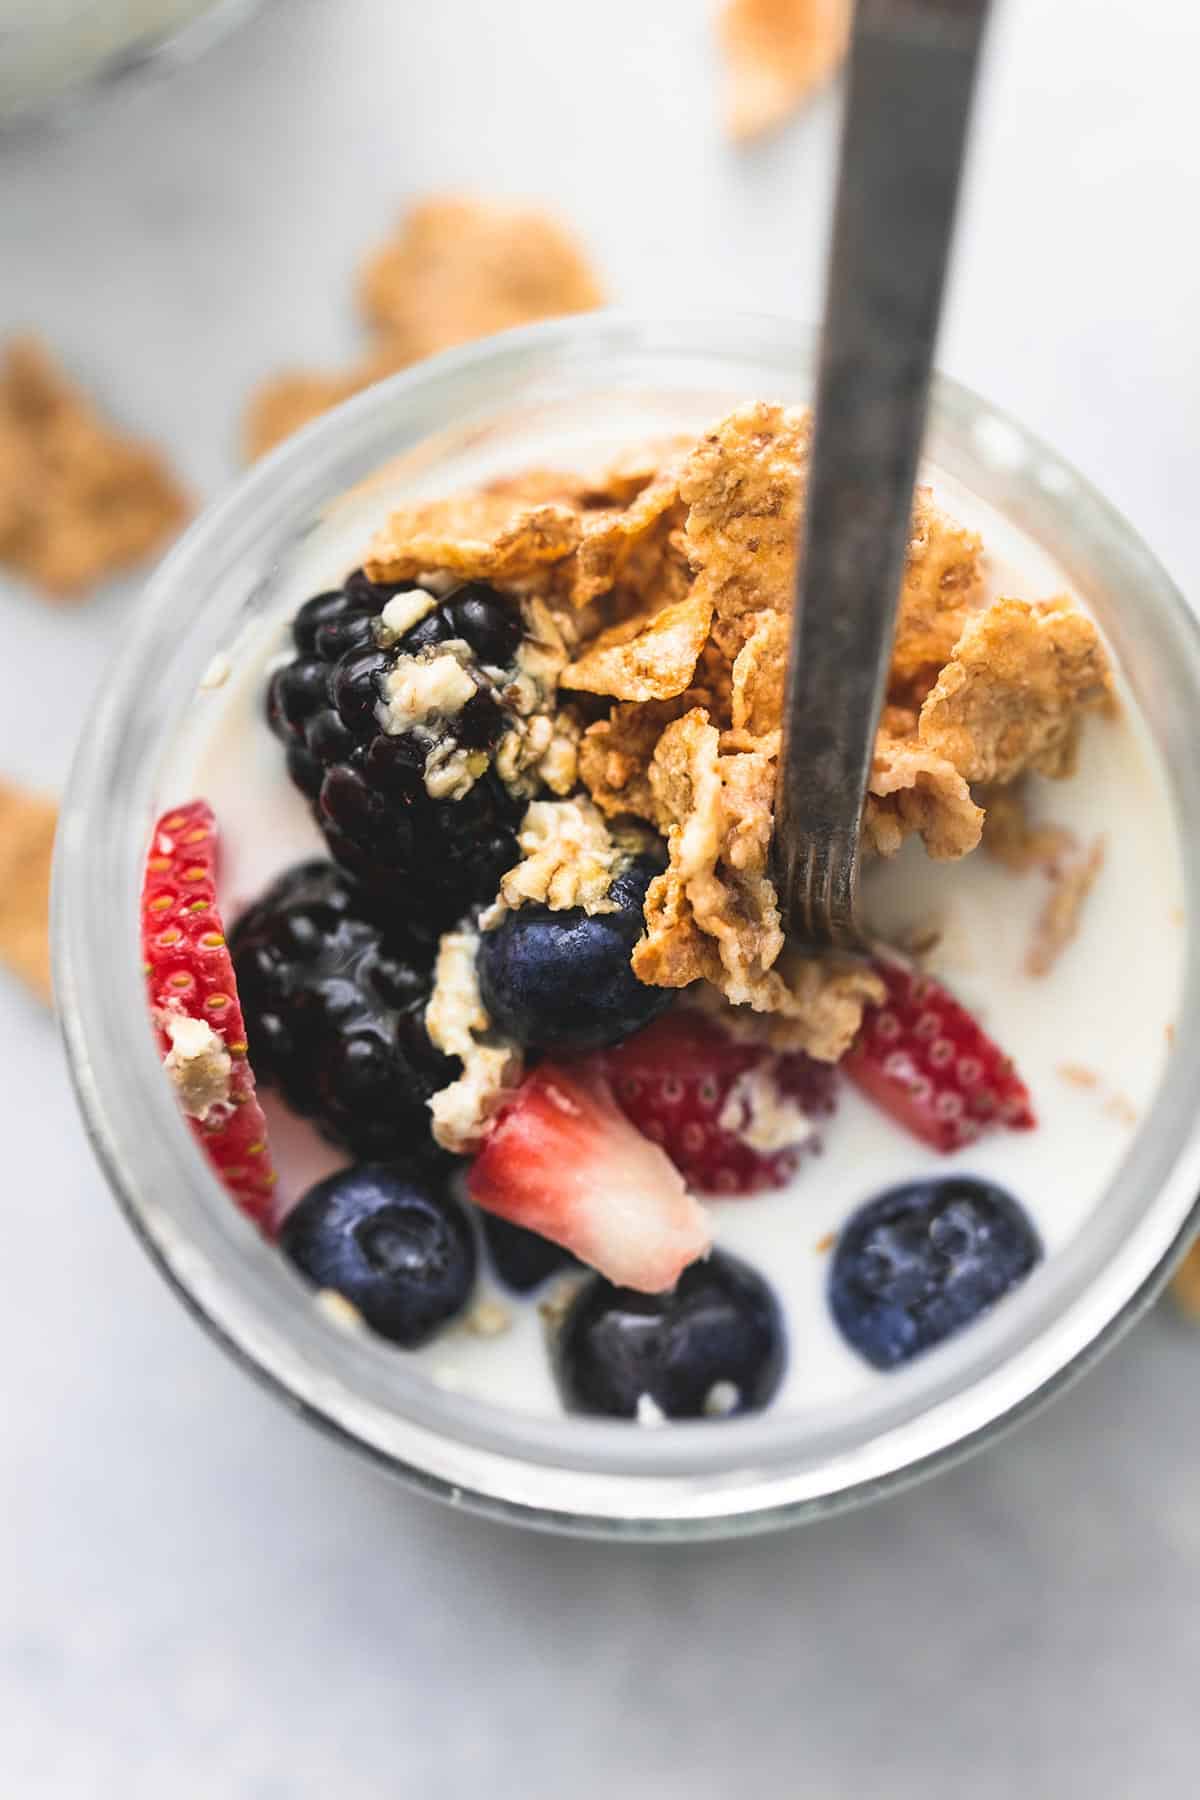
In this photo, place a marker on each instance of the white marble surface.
(199, 1597)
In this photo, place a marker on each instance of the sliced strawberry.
(734, 1118)
(923, 1059)
(195, 1007)
(562, 1161)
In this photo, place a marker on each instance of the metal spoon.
(911, 80)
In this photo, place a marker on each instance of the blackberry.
(415, 810)
(334, 1004)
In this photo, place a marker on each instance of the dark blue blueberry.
(922, 1261)
(487, 621)
(522, 1259)
(395, 1244)
(714, 1346)
(562, 980)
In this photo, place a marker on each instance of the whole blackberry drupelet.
(334, 1006)
(405, 790)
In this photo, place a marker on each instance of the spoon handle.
(911, 79)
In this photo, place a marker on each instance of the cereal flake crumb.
(943, 584)
(913, 789)
(777, 52)
(568, 858)
(1010, 699)
(1078, 1075)
(27, 826)
(460, 267)
(488, 1318)
(1013, 839)
(338, 1310)
(1122, 1109)
(1185, 1285)
(198, 1064)
(456, 1021)
(649, 1412)
(476, 537)
(456, 269)
(1071, 881)
(645, 658)
(78, 502)
(743, 486)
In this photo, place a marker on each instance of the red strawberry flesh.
(734, 1116)
(923, 1059)
(561, 1160)
(195, 1008)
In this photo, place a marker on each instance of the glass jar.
(53, 50)
(548, 395)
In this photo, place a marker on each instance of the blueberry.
(923, 1260)
(522, 1259)
(714, 1346)
(488, 622)
(562, 980)
(395, 1244)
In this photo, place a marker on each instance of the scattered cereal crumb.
(1071, 881)
(217, 673)
(776, 53)
(1013, 839)
(825, 1244)
(722, 1398)
(488, 1318)
(557, 1304)
(27, 827)
(78, 502)
(460, 267)
(1078, 1075)
(1185, 1284)
(1170, 1035)
(1121, 1108)
(921, 938)
(340, 1311)
(649, 1412)
(1178, 916)
(456, 269)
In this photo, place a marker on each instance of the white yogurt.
(1100, 1010)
